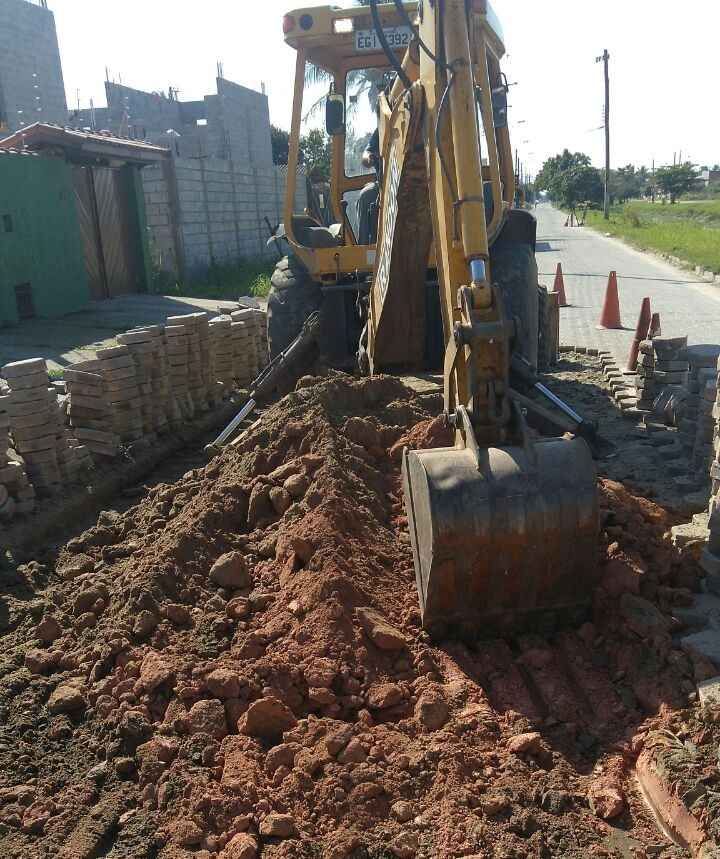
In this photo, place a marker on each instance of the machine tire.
(294, 295)
(514, 270)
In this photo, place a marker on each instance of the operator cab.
(342, 69)
(338, 49)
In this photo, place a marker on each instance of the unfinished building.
(232, 125)
(31, 79)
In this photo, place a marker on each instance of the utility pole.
(652, 183)
(606, 206)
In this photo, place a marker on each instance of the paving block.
(20, 369)
(32, 380)
(709, 691)
(112, 353)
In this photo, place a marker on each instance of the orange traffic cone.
(610, 316)
(655, 329)
(559, 287)
(641, 333)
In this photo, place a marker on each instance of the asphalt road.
(685, 304)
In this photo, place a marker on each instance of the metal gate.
(108, 225)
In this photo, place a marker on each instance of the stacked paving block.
(17, 494)
(221, 335)
(703, 447)
(105, 407)
(646, 385)
(117, 368)
(243, 359)
(147, 350)
(89, 411)
(177, 350)
(696, 428)
(251, 318)
(710, 556)
(53, 458)
(213, 392)
(195, 386)
(669, 368)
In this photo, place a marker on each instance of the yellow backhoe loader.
(427, 263)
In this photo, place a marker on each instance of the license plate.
(397, 37)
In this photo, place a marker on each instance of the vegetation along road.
(689, 229)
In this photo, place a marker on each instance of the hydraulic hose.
(389, 53)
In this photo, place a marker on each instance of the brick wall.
(208, 210)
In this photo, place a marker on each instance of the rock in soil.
(256, 681)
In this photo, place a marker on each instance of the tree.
(569, 178)
(280, 140)
(315, 153)
(676, 180)
(627, 183)
(577, 185)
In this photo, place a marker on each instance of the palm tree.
(315, 76)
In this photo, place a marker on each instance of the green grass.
(689, 229)
(224, 282)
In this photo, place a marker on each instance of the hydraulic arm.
(503, 529)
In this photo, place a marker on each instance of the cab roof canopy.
(328, 34)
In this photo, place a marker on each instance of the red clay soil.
(235, 668)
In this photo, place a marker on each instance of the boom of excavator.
(503, 527)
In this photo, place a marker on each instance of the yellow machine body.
(503, 527)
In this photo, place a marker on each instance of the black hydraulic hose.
(438, 142)
(415, 30)
(389, 53)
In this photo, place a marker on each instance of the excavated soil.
(235, 668)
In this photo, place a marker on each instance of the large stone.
(297, 485)
(431, 710)
(155, 670)
(280, 499)
(223, 683)
(642, 617)
(525, 744)
(48, 629)
(321, 673)
(240, 846)
(67, 698)
(78, 566)
(177, 613)
(267, 719)
(278, 826)
(381, 633)
(384, 695)
(605, 798)
(208, 717)
(230, 571)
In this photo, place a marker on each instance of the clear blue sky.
(664, 73)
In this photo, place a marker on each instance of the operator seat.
(312, 235)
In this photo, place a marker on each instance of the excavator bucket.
(503, 538)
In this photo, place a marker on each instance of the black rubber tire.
(294, 295)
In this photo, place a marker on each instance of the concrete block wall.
(207, 210)
(31, 79)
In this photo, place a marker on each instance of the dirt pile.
(235, 668)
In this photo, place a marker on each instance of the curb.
(624, 393)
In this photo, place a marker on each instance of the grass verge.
(223, 282)
(689, 229)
